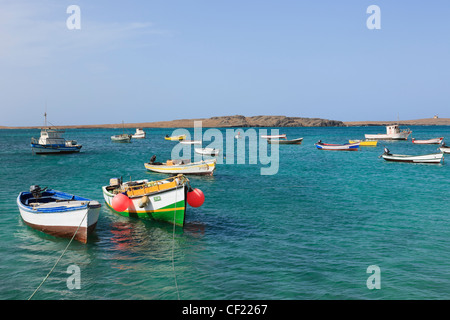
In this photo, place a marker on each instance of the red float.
(195, 197)
(120, 202)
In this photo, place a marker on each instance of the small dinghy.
(279, 141)
(191, 142)
(207, 151)
(337, 147)
(429, 141)
(58, 213)
(175, 138)
(426, 158)
(183, 166)
(444, 148)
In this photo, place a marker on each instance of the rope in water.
(46, 277)
(173, 243)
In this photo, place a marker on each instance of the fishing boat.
(175, 138)
(51, 141)
(124, 137)
(139, 134)
(393, 132)
(183, 166)
(337, 147)
(58, 213)
(426, 158)
(207, 151)
(191, 142)
(429, 141)
(121, 137)
(365, 143)
(278, 141)
(162, 200)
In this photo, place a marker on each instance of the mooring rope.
(46, 277)
(173, 243)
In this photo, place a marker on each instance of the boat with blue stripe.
(58, 213)
(337, 147)
(52, 141)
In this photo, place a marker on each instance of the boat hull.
(207, 151)
(338, 147)
(176, 138)
(53, 148)
(365, 143)
(166, 205)
(428, 158)
(62, 221)
(445, 149)
(121, 138)
(429, 141)
(205, 167)
(293, 141)
(395, 136)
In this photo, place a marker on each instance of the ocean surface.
(311, 231)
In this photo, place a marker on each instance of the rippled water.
(308, 232)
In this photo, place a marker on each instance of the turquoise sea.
(309, 232)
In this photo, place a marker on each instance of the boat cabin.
(392, 129)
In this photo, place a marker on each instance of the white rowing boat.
(207, 151)
(426, 158)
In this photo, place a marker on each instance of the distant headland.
(254, 121)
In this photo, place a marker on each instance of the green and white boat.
(162, 200)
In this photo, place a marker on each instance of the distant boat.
(207, 151)
(393, 132)
(183, 166)
(162, 200)
(337, 147)
(139, 134)
(124, 137)
(278, 141)
(426, 158)
(191, 142)
(445, 149)
(58, 213)
(52, 141)
(238, 135)
(175, 138)
(121, 137)
(429, 141)
(365, 143)
(277, 136)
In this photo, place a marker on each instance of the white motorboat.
(139, 134)
(393, 132)
(426, 158)
(207, 151)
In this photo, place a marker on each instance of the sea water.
(311, 231)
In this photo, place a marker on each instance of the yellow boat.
(365, 143)
(175, 138)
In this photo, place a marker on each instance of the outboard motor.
(36, 191)
(152, 159)
(386, 151)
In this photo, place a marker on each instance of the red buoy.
(120, 202)
(195, 197)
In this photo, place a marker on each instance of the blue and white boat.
(58, 213)
(52, 141)
(337, 147)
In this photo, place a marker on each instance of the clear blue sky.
(155, 60)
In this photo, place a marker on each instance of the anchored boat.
(429, 141)
(139, 134)
(121, 137)
(444, 148)
(58, 213)
(278, 141)
(207, 151)
(52, 141)
(162, 200)
(365, 143)
(337, 147)
(183, 166)
(175, 138)
(426, 158)
(393, 132)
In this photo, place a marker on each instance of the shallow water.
(308, 232)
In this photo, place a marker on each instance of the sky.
(158, 60)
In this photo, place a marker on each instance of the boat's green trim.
(173, 213)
